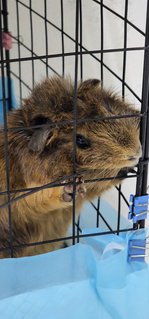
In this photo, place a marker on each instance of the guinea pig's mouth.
(124, 172)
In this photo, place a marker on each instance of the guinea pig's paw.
(80, 188)
(68, 190)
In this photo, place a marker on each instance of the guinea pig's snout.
(135, 157)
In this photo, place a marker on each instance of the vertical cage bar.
(32, 44)
(75, 115)
(125, 46)
(98, 208)
(7, 53)
(81, 35)
(46, 35)
(141, 186)
(119, 210)
(102, 41)
(62, 38)
(78, 229)
(19, 49)
(101, 216)
(6, 136)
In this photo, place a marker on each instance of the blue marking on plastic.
(138, 208)
(136, 249)
(130, 214)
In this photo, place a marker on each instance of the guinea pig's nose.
(137, 156)
(132, 158)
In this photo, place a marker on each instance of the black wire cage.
(45, 45)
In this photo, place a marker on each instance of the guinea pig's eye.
(82, 142)
(39, 120)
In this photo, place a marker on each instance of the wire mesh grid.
(33, 55)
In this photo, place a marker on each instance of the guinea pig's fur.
(41, 155)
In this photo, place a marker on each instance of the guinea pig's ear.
(40, 135)
(89, 85)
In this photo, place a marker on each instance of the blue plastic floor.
(77, 282)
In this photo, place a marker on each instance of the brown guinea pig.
(42, 151)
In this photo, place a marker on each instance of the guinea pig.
(41, 151)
